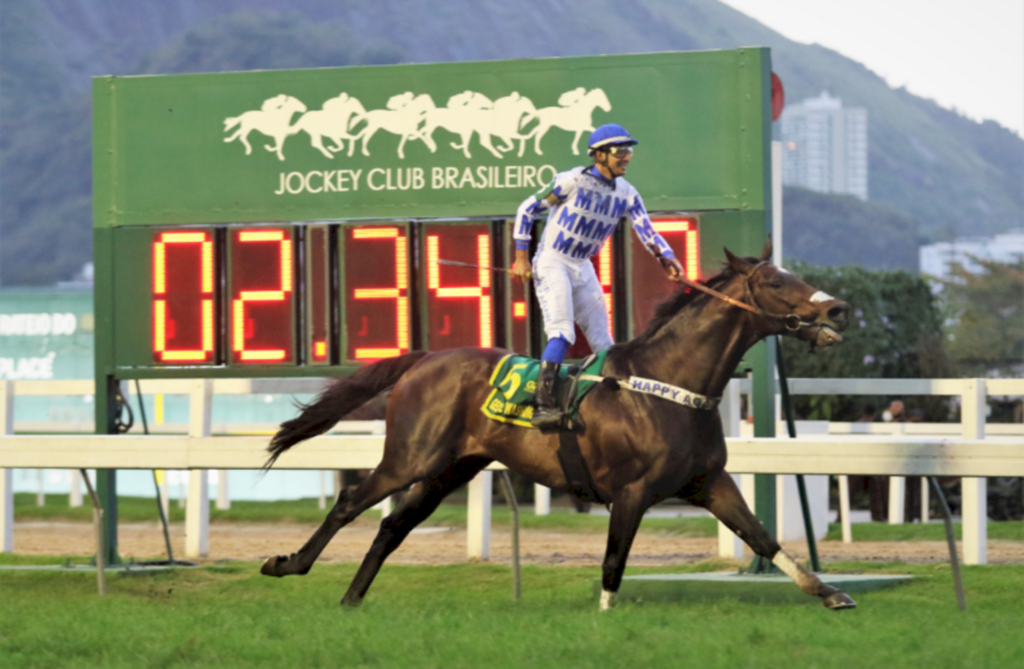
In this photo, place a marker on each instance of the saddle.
(512, 401)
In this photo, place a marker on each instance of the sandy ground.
(439, 545)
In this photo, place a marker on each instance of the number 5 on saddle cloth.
(515, 386)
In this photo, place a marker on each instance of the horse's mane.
(675, 303)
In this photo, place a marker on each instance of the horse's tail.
(231, 121)
(340, 398)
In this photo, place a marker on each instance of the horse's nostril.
(838, 313)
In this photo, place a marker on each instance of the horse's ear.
(766, 252)
(738, 265)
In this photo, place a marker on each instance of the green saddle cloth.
(515, 384)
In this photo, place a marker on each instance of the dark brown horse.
(641, 449)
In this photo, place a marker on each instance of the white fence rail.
(972, 455)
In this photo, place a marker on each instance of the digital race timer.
(343, 294)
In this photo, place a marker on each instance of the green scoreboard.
(297, 223)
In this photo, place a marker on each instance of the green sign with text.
(445, 140)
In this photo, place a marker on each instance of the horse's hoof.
(351, 602)
(838, 601)
(269, 567)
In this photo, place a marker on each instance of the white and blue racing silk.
(588, 209)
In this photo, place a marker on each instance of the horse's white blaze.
(821, 296)
(783, 270)
(607, 600)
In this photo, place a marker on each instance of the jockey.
(586, 204)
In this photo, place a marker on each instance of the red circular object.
(778, 97)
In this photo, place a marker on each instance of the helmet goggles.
(618, 150)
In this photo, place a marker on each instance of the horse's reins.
(752, 308)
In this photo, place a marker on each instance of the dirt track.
(435, 546)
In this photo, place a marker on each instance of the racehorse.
(641, 449)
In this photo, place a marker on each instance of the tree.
(985, 331)
(895, 332)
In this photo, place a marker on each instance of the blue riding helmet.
(608, 134)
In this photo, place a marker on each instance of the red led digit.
(649, 284)
(183, 297)
(603, 267)
(377, 290)
(458, 297)
(261, 292)
(681, 235)
(317, 295)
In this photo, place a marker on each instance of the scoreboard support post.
(106, 479)
(762, 356)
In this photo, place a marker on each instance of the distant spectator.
(895, 413)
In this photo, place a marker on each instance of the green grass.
(227, 615)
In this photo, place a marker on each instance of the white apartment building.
(825, 147)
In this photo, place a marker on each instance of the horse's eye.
(776, 284)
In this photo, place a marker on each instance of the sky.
(966, 55)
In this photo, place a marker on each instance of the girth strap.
(577, 473)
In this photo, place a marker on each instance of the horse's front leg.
(628, 506)
(722, 498)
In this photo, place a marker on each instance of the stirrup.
(547, 418)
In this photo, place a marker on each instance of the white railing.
(971, 455)
(908, 437)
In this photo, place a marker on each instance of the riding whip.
(467, 264)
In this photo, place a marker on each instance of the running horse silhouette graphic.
(460, 116)
(273, 119)
(338, 115)
(403, 116)
(511, 113)
(470, 112)
(574, 113)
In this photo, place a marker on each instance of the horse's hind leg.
(722, 498)
(628, 506)
(417, 506)
(351, 502)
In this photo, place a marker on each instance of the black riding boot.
(547, 415)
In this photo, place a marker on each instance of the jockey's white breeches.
(570, 292)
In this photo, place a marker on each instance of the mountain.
(933, 173)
